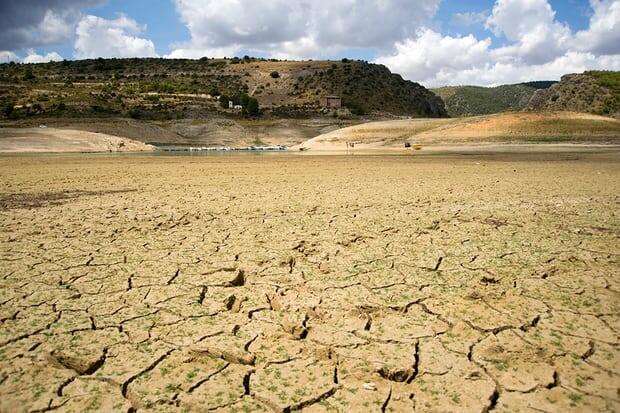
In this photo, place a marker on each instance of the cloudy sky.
(434, 42)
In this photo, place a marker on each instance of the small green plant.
(574, 398)
(171, 387)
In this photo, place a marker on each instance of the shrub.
(356, 109)
(134, 113)
(252, 107)
(224, 101)
(7, 108)
(274, 74)
(28, 75)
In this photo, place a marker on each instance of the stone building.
(331, 102)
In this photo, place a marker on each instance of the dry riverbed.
(274, 283)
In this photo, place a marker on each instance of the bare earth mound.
(321, 284)
(213, 131)
(65, 140)
(521, 127)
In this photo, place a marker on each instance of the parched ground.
(486, 283)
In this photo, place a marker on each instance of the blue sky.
(164, 27)
(432, 41)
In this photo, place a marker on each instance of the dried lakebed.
(370, 283)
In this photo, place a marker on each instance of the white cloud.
(302, 28)
(538, 47)
(56, 28)
(506, 73)
(8, 57)
(304, 48)
(516, 18)
(192, 52)
(99, 37)
(531, 25)
(32, 23)
(37, 58)
(31, 57)
(422, 57)
(603, 35)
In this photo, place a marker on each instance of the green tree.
(224, 101)
(28, 75)
(7, 108)
(252, 107)
(134, 113)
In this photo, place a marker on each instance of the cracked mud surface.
(321, 284)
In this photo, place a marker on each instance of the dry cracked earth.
(321, 284)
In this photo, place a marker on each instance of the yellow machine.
(409, 147)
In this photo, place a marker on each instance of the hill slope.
(65, 140)
(523, 127)
(477, 100)
(594, 92)
(215, 130)
(180, 88)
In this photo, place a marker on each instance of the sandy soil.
(522, 127)
(216, 131)
(65, 140)
(453, 283)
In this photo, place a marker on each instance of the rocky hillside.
(477, 100)
(163, 89)
(594, 92)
